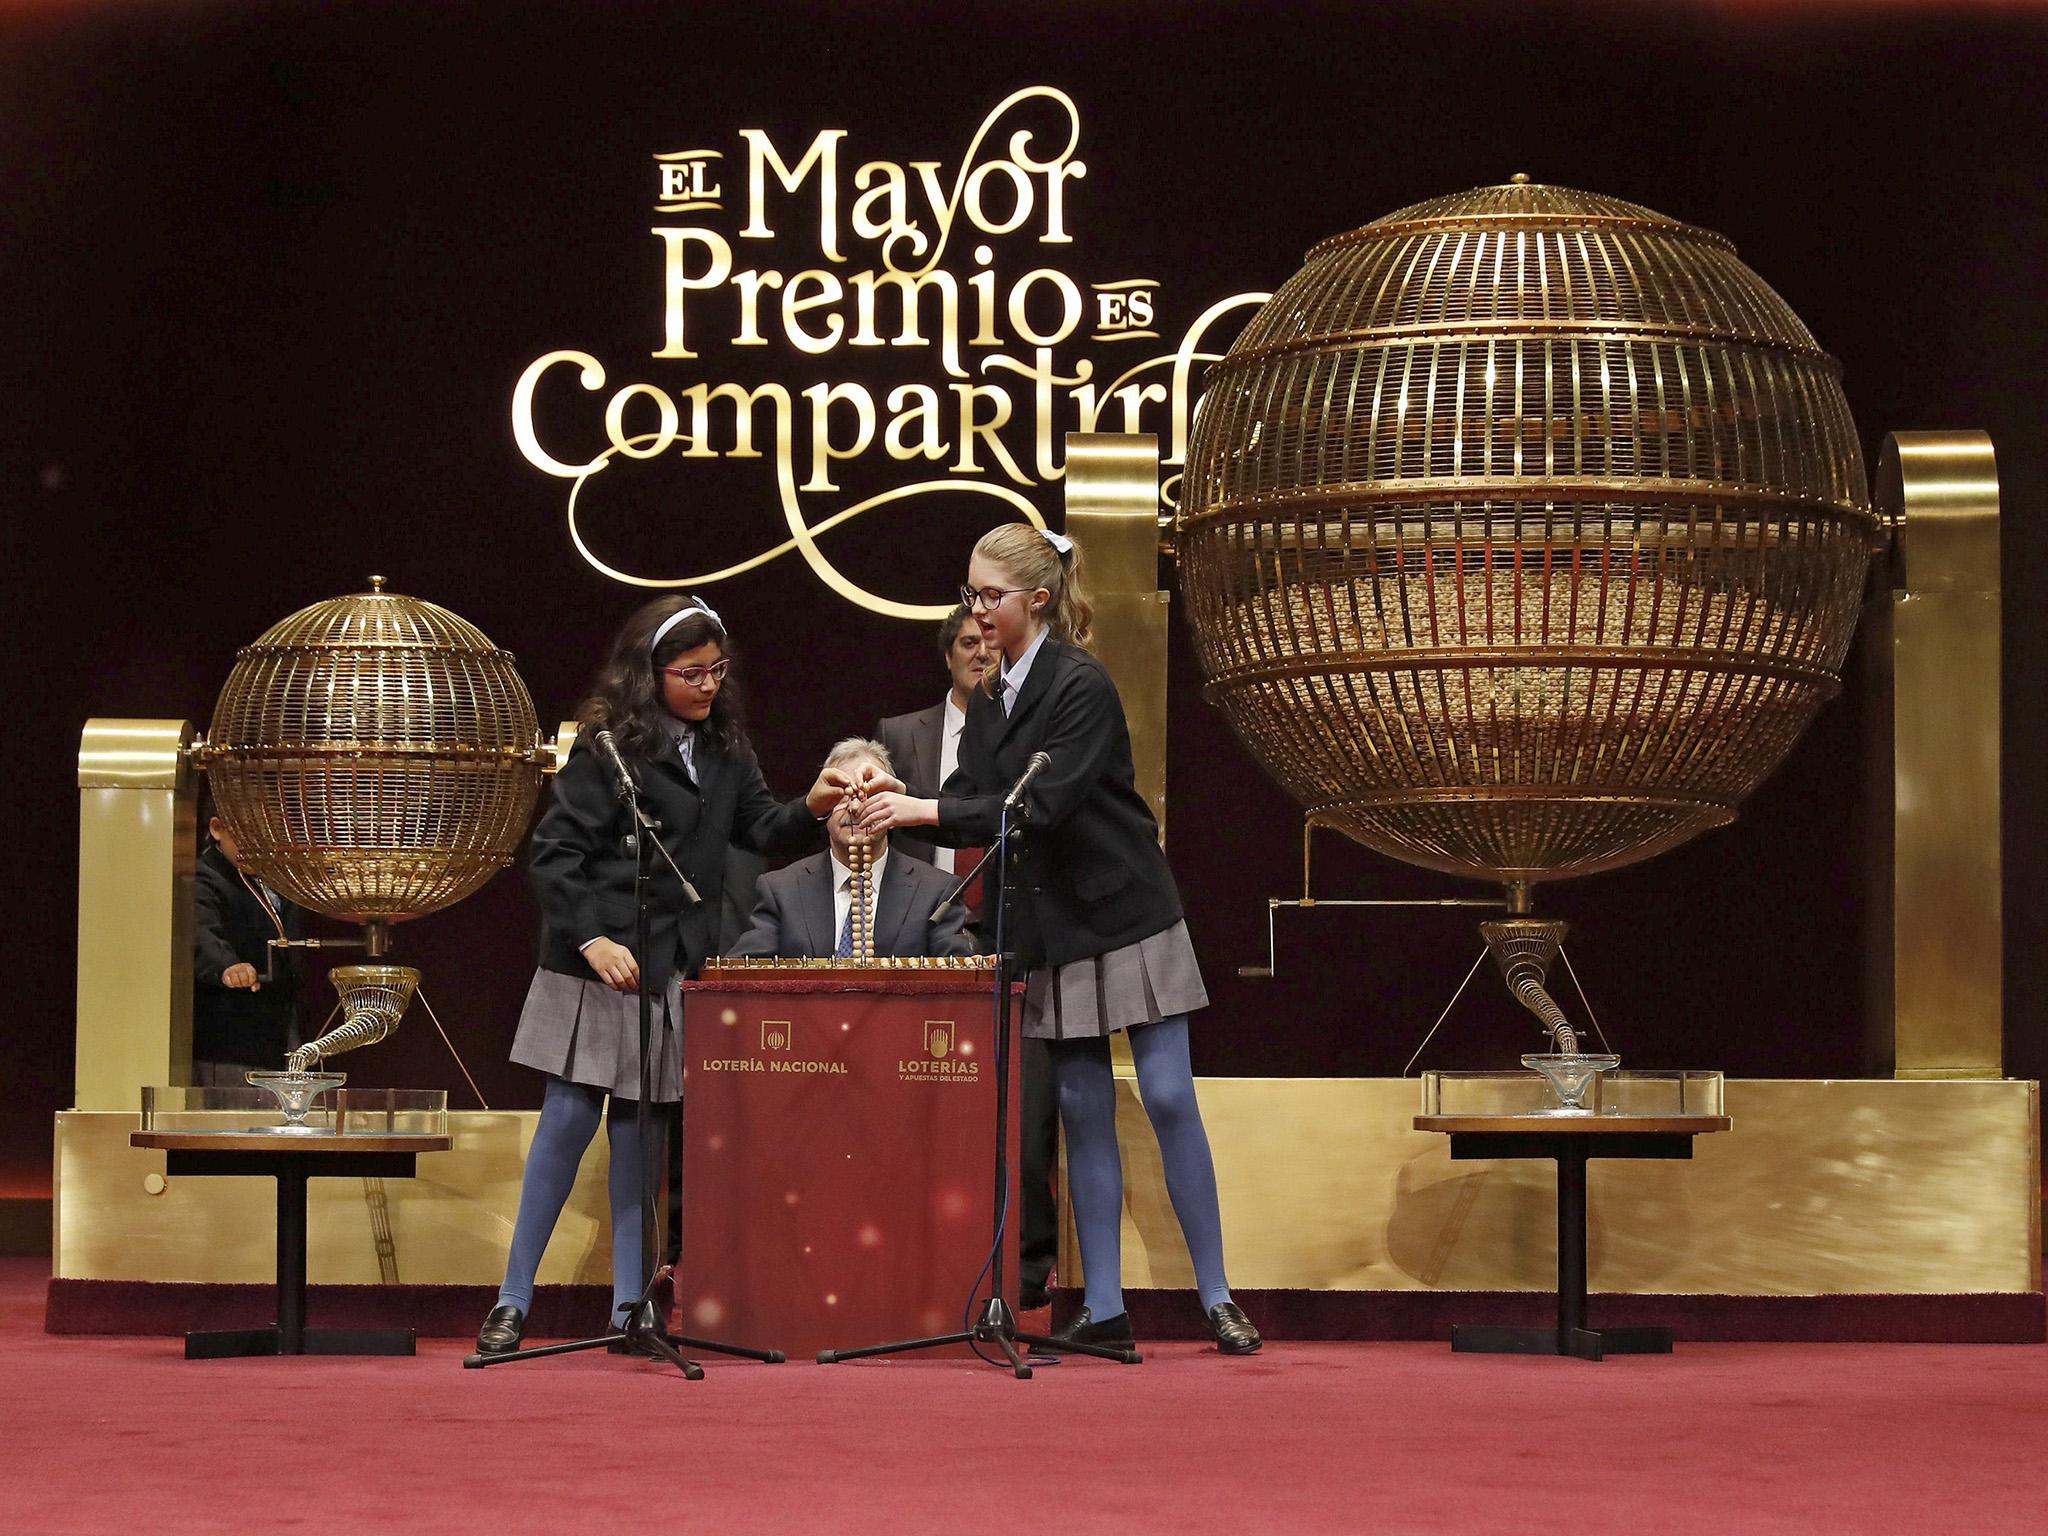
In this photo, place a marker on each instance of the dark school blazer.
(230, 924)
(793, 912)
(1088, 875)
(584, 876)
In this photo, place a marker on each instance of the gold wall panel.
(1871, 1186)
(1822, 1187)
(136, 836)
(1940, 492)
(1112, 508)
(451, 1225)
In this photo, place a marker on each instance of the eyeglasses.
(989, 598)
(696, 677)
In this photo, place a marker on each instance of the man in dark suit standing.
(806, 910)
(244, 993)
(926, 747)
(925, 744)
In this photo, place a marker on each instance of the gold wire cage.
(1523, 531)
(375, 757)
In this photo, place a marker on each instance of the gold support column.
(136, 808)
(1113, 510)
(1939, 492)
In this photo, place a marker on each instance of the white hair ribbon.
(1058, 541)
(679, 615)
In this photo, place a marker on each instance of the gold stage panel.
(1822, 1188)
(1826, 1187)
(118, 1218)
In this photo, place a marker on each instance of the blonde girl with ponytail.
(1096, 918)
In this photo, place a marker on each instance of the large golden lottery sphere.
(1523, 531)
(375, 757)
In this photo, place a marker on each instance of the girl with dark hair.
(1096, 918)
(665, 695)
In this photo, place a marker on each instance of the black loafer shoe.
(1234, 1332)
(1031, 1297)
(501, 1332)
(1114, 1332)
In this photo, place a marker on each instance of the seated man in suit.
(805, 911)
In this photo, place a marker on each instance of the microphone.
(1038, 764)
(621, 775)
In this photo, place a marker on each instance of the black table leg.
(291, 1258)
(290, 1335)
(1571, 1336)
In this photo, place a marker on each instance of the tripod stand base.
(998, 1326)
(642, 1335)
(656, 1347)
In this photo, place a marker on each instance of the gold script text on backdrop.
(911, 262)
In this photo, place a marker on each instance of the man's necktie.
(845, 949)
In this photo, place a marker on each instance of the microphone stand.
(953, 896)
(642, 1329)
(997, 1324)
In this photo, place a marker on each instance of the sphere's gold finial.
(1519, 179)
(376, 583)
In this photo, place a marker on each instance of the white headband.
(1058, 541)
(679, 615)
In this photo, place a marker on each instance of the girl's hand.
(874, 781)
(892, 808)
(614, 964)
(831, 787)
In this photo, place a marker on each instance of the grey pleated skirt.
(581, 1030)
(1142, 983)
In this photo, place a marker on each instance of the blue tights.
(1095, 1178)
(568, 1119)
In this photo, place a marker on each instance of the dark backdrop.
(268, 274)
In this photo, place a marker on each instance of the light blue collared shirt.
(684, 735)
(1013, 677)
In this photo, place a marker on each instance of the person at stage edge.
(245, 995)
(665, 696)
(805, 912)
(1097, 920)
(925, 746)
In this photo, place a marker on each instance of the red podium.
(838, 1151)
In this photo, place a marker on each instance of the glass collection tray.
(339, 1111)
(1612, 1093)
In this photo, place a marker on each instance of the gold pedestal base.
(119, 1218)
(1821, 1188)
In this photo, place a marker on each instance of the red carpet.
(108, 1434)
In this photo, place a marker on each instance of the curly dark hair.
(626, 696)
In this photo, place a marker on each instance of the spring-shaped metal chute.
(373, 1000)
(1523, 948)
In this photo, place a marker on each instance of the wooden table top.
(266, 1141)
(1577, 1125)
